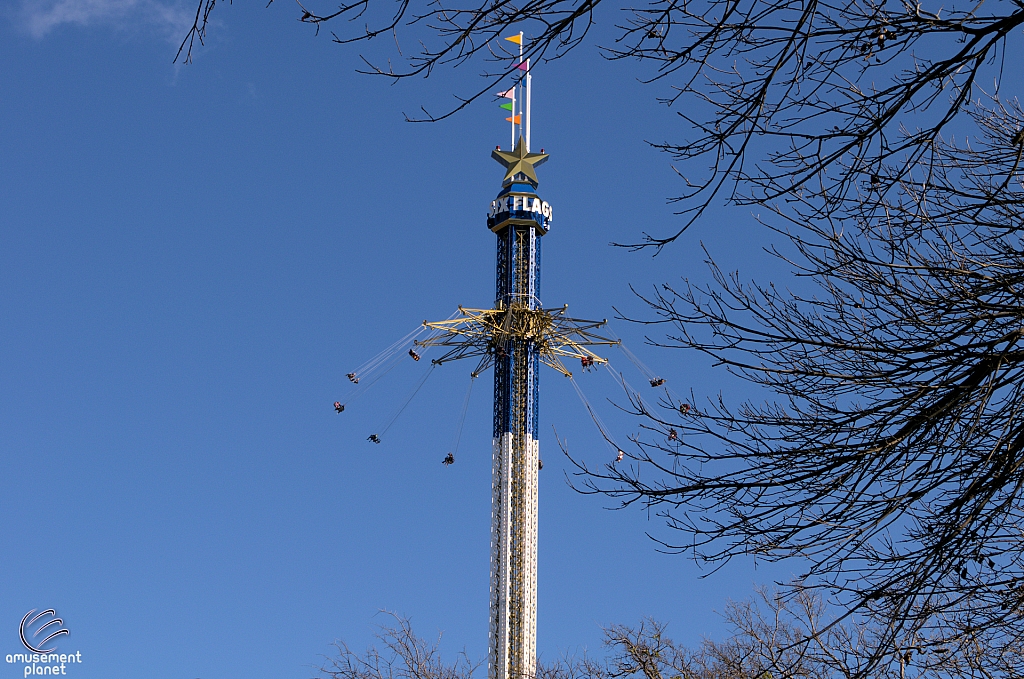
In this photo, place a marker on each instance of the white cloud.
(168, 16)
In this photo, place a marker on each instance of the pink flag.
(510, 94)
(523, 66)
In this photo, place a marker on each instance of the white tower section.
(513, 635)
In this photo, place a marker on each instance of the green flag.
(507, 107)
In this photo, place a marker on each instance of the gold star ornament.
(519, 161)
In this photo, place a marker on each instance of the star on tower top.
(519, 161)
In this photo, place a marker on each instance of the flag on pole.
(515, 121)
(507, 107)
(523, 66)
(508, 94)
(517, 39)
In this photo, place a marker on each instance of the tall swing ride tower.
(515, 337)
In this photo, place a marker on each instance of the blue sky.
(194, 256)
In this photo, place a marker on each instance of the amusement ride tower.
(514, 337)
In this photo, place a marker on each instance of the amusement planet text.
(45, 663)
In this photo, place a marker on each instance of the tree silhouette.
(889, 450)
(775, 96)
(889, 454)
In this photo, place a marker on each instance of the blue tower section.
(519, 219)
(517, 286)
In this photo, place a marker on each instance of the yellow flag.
(517, 39)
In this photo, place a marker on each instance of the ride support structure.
(512, 647)
(515, 337)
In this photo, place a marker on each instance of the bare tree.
(770, 637)
(889, 452)
(402, 656)
(775, 95)
(776, 637)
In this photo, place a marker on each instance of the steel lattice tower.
(513, 629)
(515, 337)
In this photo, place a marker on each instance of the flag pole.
(521, 91)
(528, 78)
(513, 118)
